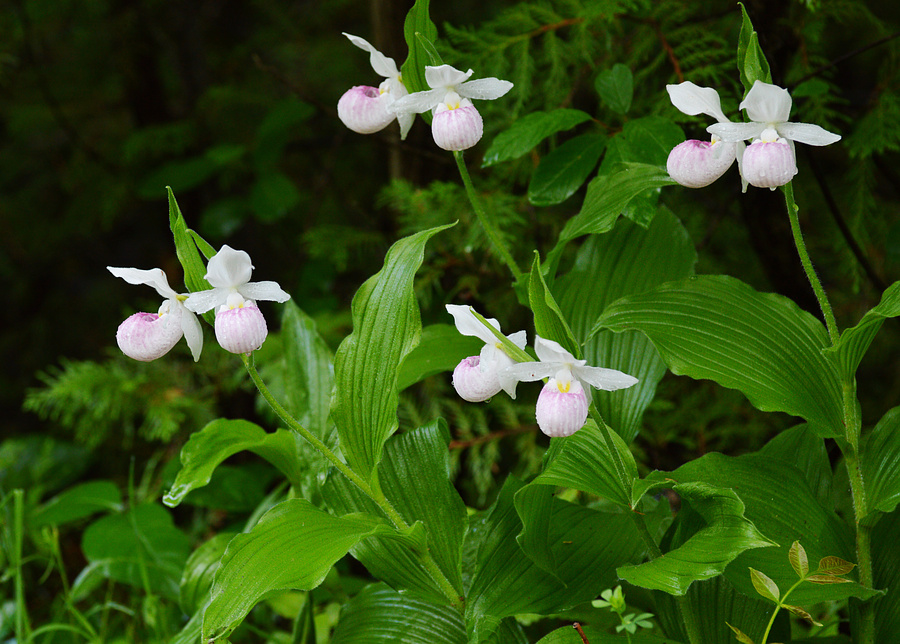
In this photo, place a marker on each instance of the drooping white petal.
(766, 103)
(551, 351)
(697, 164)
(203, 301)
(605, 379)
(445, 76)
(467, 324)
(736, 131)
(531, 371)
(229, 268)
(693, 99)
(268, 291)
(405, 119)
(383, 65)
(484, 88)
(418, 102)
(193, 334)
(807, 133)
(154, 277)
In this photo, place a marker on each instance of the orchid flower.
(769, 160)
(477, 378)
(696, 164)
(456, 125)
(562, 405)
(240, 326)
(367, 109)
(148, 336)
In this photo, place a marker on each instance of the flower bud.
(148, 336)
(241, 328)
(364, 109)
(473, 382)
(562, 408)
(768, 164)
(696, 164)
(457, 128)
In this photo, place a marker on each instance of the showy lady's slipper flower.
(769, 160)
(562, 406)
(240, 326)
(367, 109)
(456, 125)
(696, 164)
(477, 378)
(148, 336)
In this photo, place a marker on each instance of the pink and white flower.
(148, 336)
(240, 325)
(456, 124)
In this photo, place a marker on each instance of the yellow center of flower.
(563, 386)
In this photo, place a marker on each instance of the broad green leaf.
(549, 321)
(78, 502)
(801, 448)
(608, 195)
(386, 328)
(718, 328)
(293, 547)
(308, 370)
(525, 133)
(595, 635)
(886, 573)
(141, 548)
(764, 585)
(586, 546)
(628, 259)
(881, 463)
(380, 614)
(855, 341)
(222, 438)
(305, 623)
(420, 456)
(647, 140)
(751, 62)
(199, 572)
(186, 250)
(413, 69)
(234, 489)
(726, 534)
(798, 559)
(440, 349)
(780, 503)
(562, 172)
(615, 87)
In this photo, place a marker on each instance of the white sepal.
(807, 133)
(485, 89)
(154, 277)
(383, 65)
(693, 100)
(767, 103)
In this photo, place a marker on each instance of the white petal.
(445, 76)
(807, 133)
(550, 351)
(418, 102)
(531, 371)
(736, 131)
(383, 65)
(693, 99)
(203, 301)
(467, 324)
(405, 119)
(154, 277)
(484, 88)
(605, 379)
(268, 291)
(519, 338)
(193, 334)
(766, 103)
(228, 267)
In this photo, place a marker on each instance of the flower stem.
(827, 312)
(488, 225)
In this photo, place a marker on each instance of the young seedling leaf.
(834, 566)
(739, 635)
(764, 585)
(799, 561)
(799, 612)
(827, 579)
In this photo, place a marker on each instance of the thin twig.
(847, 56)
(577, 627)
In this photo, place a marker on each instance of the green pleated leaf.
(800, 447)
(751, 61)
(293, 547)
(647, 140)
(379, 614)
(305, 623)
(718, 328)
(386, 328)
(199, 572)
(565, 169)
(308, 370)
(629, 259)
(440, 349)
(886, 573)
(78, 502)
(726, 534)
(186, 249)
(615, 87)
(881, 463)
(419, 456)
(568, 635)
(223, 438)
(549, 321)
(855, 341)
(778, 500)
(525, 133)
(413, 69)
(609, 194)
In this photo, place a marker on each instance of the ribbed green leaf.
(186, 250)
(751, 61)
(800, 447)
(293, 547)
(413, 69)
(440, 349)
(881, 463)
(305, 623)
(78, 502)
(855, 341)
(568, 635)
(726, 534)
(629, 259)
(223, 438)
(386, 328)
(525, 133)
(199, 572)
(886, 572)
(562, 172)
(615, 87)
(718, 328)
(549, 321)
(308, 370)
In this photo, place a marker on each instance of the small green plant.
(615, 601)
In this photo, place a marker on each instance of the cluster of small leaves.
(615, 601)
